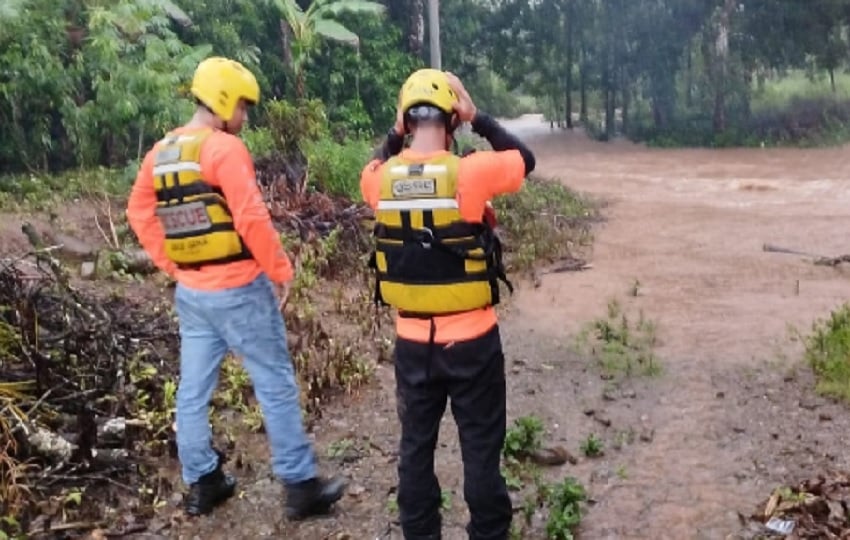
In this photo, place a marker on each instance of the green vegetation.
(592, 446)
(545, 221)
(620, 346)
(94, 84)
(828, 353)
(681, 72)
(561, 501)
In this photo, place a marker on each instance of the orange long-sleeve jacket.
(227, 164)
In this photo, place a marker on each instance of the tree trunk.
(689, 79)
(300, 89)
(410, 16)
(626, 102)
(608, 83)
(721, 65)
(570, 47)
(286, 43)
(583, 84)
(416, 27)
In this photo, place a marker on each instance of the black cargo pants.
(472, 374)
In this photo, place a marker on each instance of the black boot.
(209, 491)
(312, 497)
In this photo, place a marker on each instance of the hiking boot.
(209, 491)
(312, 497)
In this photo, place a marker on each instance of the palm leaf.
(290, 10)
(337, 32)
(175, 12)
(353, 6)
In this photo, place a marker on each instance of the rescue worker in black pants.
(438, 262)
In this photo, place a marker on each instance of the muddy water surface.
(689, 225)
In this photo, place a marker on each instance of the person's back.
(438, 263)
(198, 212)
(481, 176)
(226, 166)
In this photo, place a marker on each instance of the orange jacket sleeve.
(141, 216)
(484, 175)
(233, 170)
(370, 183)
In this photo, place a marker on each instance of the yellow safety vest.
(197, 222)
(428, 261)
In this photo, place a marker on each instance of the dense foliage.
(95, 82)
(681, 71)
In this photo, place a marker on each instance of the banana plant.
(303, 30)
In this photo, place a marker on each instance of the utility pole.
(434, 33)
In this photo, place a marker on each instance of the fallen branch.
(86, 525)
(832, 261)
(819, 260)
(59, 449)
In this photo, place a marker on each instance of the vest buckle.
(426, 238)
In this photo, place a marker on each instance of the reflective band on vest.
(197, 222)
(428, 260)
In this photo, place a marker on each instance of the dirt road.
(728, 419)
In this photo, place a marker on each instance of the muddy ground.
(732, 415)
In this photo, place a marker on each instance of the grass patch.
(621, 346)
(544, 222)
(30, 192)
(827, 351)
(781, 93)
(592, 446)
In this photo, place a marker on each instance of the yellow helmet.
(219, 83)
(428, 86)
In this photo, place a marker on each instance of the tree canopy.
(94, 82)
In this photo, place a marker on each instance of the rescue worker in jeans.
(439, 264)
(197, 211)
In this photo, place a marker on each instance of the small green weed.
(445, 500)
(523, 438)
(564, 504)
(620, 346)
(339, 448)
(561, 501)
(592, 446)
(827, 351)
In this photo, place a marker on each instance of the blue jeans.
(247, 321)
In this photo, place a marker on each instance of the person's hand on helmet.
(464, 107)
(490, 215)
(399, 116)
